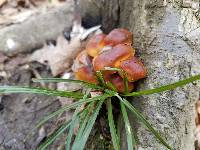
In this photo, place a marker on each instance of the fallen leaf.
(59, 57)
(2, 2)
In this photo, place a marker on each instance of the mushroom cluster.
(113, 50)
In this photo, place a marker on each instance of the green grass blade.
(16, 89)
(131, 142)
(75, 119)
(67, 107)
(165, 87)
(100, 78)
(86, 117)
(81, 144)
(119, 120)
(111, 69)
(115, 138)
(54, 136)
(57, 80)
(84, 113)
(110, 92)
(111, 86)
(124, 76)
(125, 84)
(144, 121)
(91, 122)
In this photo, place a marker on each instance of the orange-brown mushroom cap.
(113, 57)
(86, 73)
(84, 58)
(134, 69)
(118, 36)
(95, 44)
(118, 82)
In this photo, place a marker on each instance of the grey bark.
(167, 39)
(33, 33)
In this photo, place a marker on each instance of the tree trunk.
(167, 39)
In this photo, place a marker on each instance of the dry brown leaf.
(2, 2)
(59, 57)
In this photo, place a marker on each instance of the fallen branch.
(34, 32)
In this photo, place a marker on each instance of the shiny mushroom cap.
(113, 50)
(86, 73)
(119, 36)
(113, 57)
(82, 59)
(95, 44)
(118, 82)
(83, 69)
(134, 69)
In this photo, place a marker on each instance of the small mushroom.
(113, 50)
(113, 57)
(86, 73)
(118, 82)
(83, 59)
(95, 44)
(134, 69)
(119, 36)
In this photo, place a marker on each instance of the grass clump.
(86, 117)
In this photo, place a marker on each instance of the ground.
(166, 37)
(20, 113)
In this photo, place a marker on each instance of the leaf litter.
(61, 56)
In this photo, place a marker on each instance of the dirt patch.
(19, 113)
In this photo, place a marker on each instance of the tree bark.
(167, 39)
